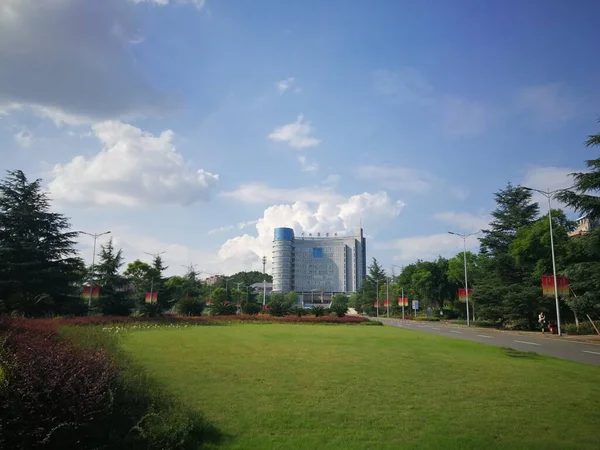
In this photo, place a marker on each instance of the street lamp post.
(377, 302)
(549, 195)
(387, 294)
(401, 270)
(95, 236)
(464, 238)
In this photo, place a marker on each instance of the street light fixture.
(549, 195)
(464, 238)
(95, 236)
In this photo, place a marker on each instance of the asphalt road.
(528, 342)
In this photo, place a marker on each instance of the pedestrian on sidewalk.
(542, 320)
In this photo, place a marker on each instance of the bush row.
(58, 394)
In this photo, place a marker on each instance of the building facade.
(584, 226)
(317, 267)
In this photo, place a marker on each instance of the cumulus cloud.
(372, 210)
(296, 134)
(70, 60)
(262, 193)
(133, 168)
(284, 85)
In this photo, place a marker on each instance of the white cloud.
(296, 134)
(398, 178)
(307, 166)
(24, 138)
(464, 221)
(262, 193)
(550, 105)
(133, 168)
(459, 192)
(284, 85)
(221, 229)
(372, 210)
(427, 247)
(71, 72)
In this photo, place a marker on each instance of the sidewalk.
(588, 339)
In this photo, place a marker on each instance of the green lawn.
(354, 387)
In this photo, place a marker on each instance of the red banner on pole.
(85, 293)
(548, 285)
(209, 301)
(402, 301)
(376, 304)
(96, 292)
(462, 294)
(386, 303)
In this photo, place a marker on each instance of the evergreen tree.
(39, 270)
(514, 210)
(115, 297)
(505, 291)
(584, 252)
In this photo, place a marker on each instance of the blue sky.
(196, 127)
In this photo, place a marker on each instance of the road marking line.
(435, 328)
(457, 332)
(485, 336)
(588, 351)
(525, 342)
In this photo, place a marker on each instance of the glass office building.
(318, 266)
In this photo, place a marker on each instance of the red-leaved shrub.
(51, 391)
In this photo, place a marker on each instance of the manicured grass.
(289, 386)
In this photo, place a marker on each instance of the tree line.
(514, 254)
(42, 274)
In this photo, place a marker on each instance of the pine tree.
(514, 210)
(39, 268)
(114, 296)
(584, 252)
(505, 291)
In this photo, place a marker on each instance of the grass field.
(274, 386)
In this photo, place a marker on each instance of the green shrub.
(318, 311)
(279, 308)
(584, 328)
(144, 415)
(151, 310)
(339, 309)
(298, 311)
(223, 308)
(372, 323)
(427, 319)
(190, 307)
(251, 308)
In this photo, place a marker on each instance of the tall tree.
(115, 299)
(584, 253)
(502, 281)
(39, 268)
(514, 210)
